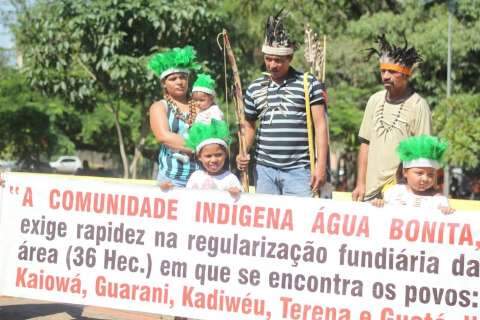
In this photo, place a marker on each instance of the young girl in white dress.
(210, 142)
(416, 186)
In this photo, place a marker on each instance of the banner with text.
(206, 255)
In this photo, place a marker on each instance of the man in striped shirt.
(277, 102)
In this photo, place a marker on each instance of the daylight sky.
(6, 40)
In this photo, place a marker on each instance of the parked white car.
(67, 164)
(6, 165)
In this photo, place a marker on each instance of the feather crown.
(416, 149)
(388, 53)
(277, 41)
(201, 134)
(172, 61)
(204, 83)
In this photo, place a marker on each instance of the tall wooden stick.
(315, 55)
(310, 128)
(239, 107)
(324, 60)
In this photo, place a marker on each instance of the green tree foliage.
(25, 133)
(93, 54)
(31, 124)
(346, 114)
(456, 120)
(351, 27)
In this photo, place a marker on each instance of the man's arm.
(161, 130)
(319, 175)
(362, 161)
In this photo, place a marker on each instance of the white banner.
(205, 255)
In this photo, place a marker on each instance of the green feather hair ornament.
(204, 83)
(175, 60)
(201, 134)
(422, 151)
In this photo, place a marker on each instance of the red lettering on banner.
(115, 204)
(54, 193)
(41, 281)
(294, 310)
(244, 215)
(219, 301)
(27, 198)
(390, 314)
(431, 232)
(133, 292)
(341, 224)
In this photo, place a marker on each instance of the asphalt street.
(23, 309)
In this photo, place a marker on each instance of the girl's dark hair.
(399, 175)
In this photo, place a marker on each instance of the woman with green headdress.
(171, 117)
(420, 158)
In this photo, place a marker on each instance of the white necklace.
(383, 126)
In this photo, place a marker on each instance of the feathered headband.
(201, 134)
(204, 83)
(173, 61)
(421, 151)
(401, 59)
(276, 37)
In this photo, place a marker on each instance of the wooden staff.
(239, 107)
(310, 128)
(315, 55)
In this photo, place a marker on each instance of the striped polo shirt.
(281, 136)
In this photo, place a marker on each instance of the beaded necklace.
(383, 126)
(189, 116)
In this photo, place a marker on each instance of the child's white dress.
(202, 180)
(400, 196)
(206, 116)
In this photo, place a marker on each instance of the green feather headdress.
(201, 134)
(204, 83)
(175, 60)
(421, 151)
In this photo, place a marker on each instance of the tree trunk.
(138, 149)
(136, 157)
(121, 143)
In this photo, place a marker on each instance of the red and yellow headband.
(396, 67)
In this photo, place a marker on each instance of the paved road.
(26, 309)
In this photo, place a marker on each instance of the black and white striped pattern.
(281, 138)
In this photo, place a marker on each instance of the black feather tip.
(406, 56)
